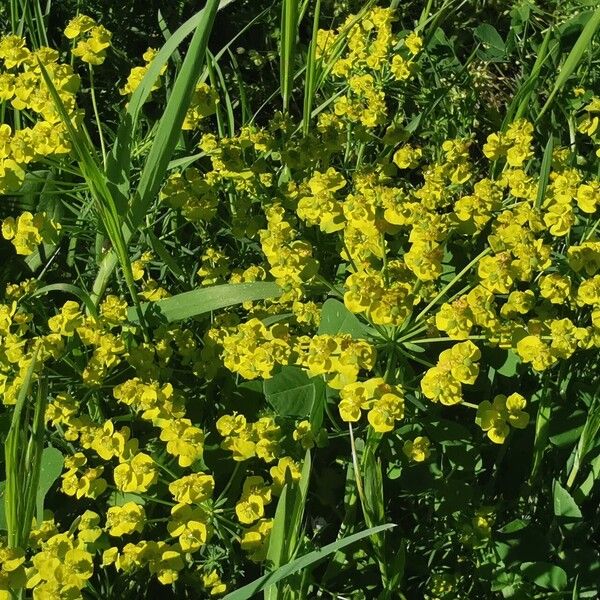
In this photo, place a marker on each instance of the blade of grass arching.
(224, 92)
(218, 109)
(587, 440)
(204, 300)
(67, 288)
(241, 87)
(164, 29)
(13, 448)
(298, 564)
(311, 72)
(289, 33)
(544, 172)
(584, 41)
(33, 459)
(287, 524)
(169, 127)
(542, 428)
(520, 103)
(119, 160)
(104, 201)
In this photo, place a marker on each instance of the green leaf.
(50, 469)
(564, 505)
(2, 509)
(289, 33)
(490, 38)
(169, 126)
(204, 300)
(287, 523)
(514, 526)
(292, 393)
(544, 172)
(545, 575)
(583, 43)
(259, 584)
(336, 319)
(119, 498)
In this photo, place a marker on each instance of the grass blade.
(289, 32)
(311, 558)
(583, 42)
(544, 172)
(204, 300)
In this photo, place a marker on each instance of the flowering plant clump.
(238, 343)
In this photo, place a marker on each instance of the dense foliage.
(314, 318)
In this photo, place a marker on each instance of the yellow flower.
(193, 488)
(190, 525)
(278, 473)
(496, 416)
(126, 519)
(417, 449)
(183, 440)
(255, 540)
(137, 474)
(78, 26)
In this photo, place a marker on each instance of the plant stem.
(97, 115)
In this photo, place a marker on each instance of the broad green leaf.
(491, 40)
(545, 575)
(336, 319)
(119, 498)
(292, 393)
(204, 300)
(564, 505)
(259, 584)
(50, 469)
(514, 526)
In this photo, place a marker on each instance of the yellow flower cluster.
(417, 450)
(496, 416)
(246, 440)
(23, 87)
(373, 53)
(203, 103)
(28, 231)
(61, 568)
(384, 403)
(92, 39)
(290, 259)
(456, 366)
(253, 350)
(339, 358)
(138, 73)
(383, 304)
(190, 192)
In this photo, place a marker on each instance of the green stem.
(454, 280)
(97, 115)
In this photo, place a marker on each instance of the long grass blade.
(582, 44)
(289, 33)
(311, 558)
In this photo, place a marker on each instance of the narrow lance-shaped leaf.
(572, 61)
